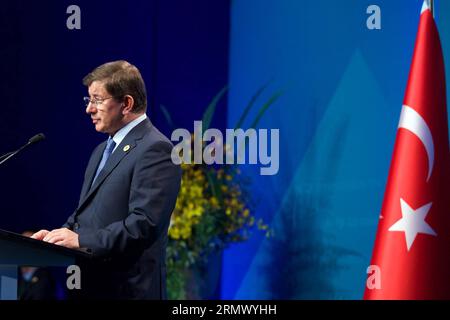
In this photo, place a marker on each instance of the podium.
(17, 250)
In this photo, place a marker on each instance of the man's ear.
(127, 104)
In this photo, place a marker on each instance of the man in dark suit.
(129, 192)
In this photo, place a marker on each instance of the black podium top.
(16, 249)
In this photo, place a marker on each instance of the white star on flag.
(413, 222)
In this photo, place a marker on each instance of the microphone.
(37, 138)
(34, 139)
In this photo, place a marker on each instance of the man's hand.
(40, 234)
(62, 237)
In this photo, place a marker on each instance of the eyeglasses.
(95, 101)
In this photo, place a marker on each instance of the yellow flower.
(174, 233)
(197, 200)
(186, 233)
(214, 202)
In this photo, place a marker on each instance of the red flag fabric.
(411, 257)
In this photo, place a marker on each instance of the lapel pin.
(126, 148)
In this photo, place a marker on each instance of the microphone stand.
(33, 140)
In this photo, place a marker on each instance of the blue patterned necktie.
(110, 144)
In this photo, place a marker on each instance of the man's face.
(107, 115)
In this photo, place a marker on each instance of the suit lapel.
(125, 147)
(91, 169)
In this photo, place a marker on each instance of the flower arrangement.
(213, 209)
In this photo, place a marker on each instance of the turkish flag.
(411, 257)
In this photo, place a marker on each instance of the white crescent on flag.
(411, 120)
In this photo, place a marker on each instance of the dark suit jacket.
(124, 217)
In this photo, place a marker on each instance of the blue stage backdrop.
(343, 90)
